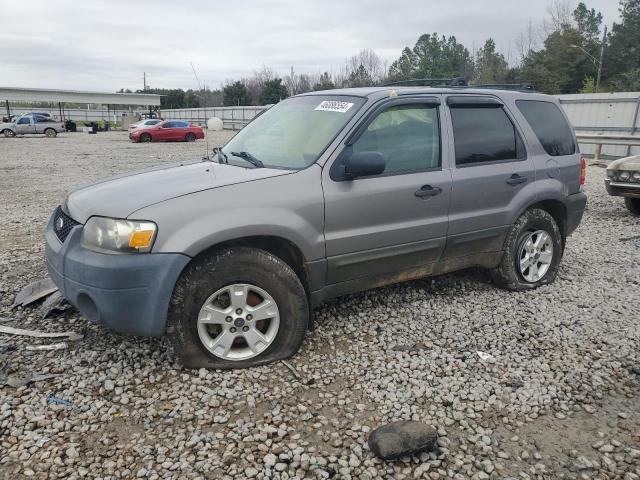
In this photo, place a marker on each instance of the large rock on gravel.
(402, 438)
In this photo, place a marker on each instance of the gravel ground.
(558, 398)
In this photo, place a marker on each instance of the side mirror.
(363, 164)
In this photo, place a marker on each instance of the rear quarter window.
(549, 125)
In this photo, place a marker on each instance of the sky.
(107, 45)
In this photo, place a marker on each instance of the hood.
(120, 196)
(626, 163)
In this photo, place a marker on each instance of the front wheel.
(533, 251)
(633, 205)
(145, 137)
(9, 133)
(236, 308)
(190, 137)
(50, 133)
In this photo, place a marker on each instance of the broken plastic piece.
(60, 401)
(34, 291)
(38, 334)
(50, 346)
(486, 357)
(17, 382)
(54, 303)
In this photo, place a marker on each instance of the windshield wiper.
(249, 158)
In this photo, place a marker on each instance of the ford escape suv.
(324, 194)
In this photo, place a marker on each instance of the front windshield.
(295, 132)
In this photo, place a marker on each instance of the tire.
(520, 246)
(228, 269)
(9, 133)
(190, 137)
(145, 137)
(633, 205)
(50, 133)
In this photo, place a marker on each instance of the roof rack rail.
(525, 87)
(429, 82)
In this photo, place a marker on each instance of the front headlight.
(623, 176)
(110, 235)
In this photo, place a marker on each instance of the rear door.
(491, 172)
(397, 221)
(41, 123)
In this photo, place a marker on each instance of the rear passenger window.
(484, 134)
(407, 135)
(549, 125)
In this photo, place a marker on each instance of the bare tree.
(560, 16)
(527, 41)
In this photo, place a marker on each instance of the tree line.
(561, 55)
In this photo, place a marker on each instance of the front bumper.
(576, 204)
(126, 293)
(619, 189)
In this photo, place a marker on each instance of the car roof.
(376, 93)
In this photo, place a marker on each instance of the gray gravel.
(557, 397)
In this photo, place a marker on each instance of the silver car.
(324, 194)
(32, 123)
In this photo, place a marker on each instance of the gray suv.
(324, 194)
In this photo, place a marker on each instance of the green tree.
(273, 91)
(623, 50)
(433, 57)
(325, 82)
(587, 22)
(490, 66)
(236, 94)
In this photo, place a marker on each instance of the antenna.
(204, 98)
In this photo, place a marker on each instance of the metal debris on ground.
(17, 382)
(38, 334)
(54, 303)
(60, 401)
(292, 369)
(34, 291)
(50, 346)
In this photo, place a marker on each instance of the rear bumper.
(576, 204)
(126, 293)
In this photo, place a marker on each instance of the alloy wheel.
(238, 322)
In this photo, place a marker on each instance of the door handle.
(516, 179)
(427, 191)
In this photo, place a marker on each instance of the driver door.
(395, 222)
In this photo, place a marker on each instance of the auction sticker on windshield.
(334, 106)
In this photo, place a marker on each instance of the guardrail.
(600, 140)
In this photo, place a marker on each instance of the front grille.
(62, 224)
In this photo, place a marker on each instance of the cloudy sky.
(105, 46)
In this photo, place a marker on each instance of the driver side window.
(407, 135)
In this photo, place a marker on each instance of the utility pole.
(604, 39)
(144, 81)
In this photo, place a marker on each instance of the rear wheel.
(145, 137)
(50, 132)
(9, 133)
(236, 308)
(190, 137)
(532, 254)
(633, 205)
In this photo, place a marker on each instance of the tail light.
(583, 171)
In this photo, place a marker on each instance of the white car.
(144, 124)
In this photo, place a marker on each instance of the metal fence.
(233, 118)
(606, 114)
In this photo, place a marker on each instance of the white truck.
(32, 123)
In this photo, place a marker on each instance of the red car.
(168, 131)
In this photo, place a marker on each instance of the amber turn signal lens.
(141, 239)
